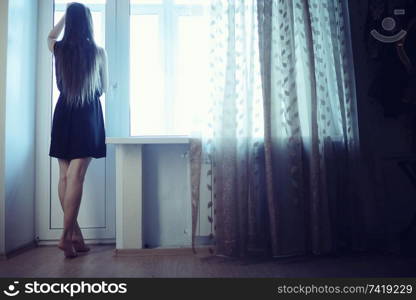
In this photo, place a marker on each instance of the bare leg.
(73, 193)
(77, 238)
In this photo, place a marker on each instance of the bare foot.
(78, 240)
(68, 248)
(79, 245)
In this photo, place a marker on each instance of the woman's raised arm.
(55, 32)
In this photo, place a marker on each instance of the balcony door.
(97, 211)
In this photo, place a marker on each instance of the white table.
(128, 151)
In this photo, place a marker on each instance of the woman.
(78, 132)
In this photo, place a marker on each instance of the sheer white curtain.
(283, 133)
(311, 130)
(234, 128)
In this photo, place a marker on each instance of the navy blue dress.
(77, 131)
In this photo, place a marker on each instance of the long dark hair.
(77, 57)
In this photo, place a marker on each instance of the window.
(168, 66)
(159, 72)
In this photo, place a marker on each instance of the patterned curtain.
(311, 132)
(283, 133)
(236, 138)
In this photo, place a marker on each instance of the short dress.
(77, 131)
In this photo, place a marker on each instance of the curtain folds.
(283, 135)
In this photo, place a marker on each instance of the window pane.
(169, 67)
(146, 76)
(146, 1)
(192, 69)
(80, 1)
(191, 2)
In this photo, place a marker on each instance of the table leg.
(128, 196)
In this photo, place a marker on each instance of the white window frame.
(169, 13)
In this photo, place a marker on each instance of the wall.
(167, 217)
(3, 60)
(390, 194)
(19, 153)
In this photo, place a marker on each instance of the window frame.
(169, 14)
(117, 44)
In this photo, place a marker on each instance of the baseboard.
(88, 242)
(162, 251)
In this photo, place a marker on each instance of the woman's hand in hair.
(55, 32)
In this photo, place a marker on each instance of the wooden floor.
(48, 261)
